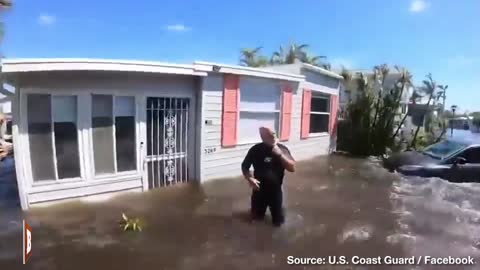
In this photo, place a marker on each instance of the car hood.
(410, 158)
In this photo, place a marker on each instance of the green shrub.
(370, 120)
(476, 121)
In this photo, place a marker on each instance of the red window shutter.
(230, 110)
(286, 112)
(332, 128)
(307, 96)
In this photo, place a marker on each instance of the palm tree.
(416, 96)
(250, 58)
(379, 75)
(5, 3)
(326, 66)
(347, 82)
(294, 52)
(442, 94)
(429, 87)
(313, 60)
(406, 81)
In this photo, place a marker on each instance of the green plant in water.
(131, 224)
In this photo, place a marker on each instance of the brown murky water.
(336, 206)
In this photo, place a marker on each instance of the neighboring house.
(349, 93)
(461, 122)
(86, 127)
(418, 111)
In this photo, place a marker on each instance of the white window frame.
(278, 112)
(320, 95)
(81, 143)
(116, 173)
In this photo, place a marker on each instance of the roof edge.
(247, 71)
(322, 71)
(73, 64)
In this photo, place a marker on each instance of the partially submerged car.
(457, 160)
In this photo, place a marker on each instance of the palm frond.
(327, 66)
(302, 46)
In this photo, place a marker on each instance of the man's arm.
(246, 164)
(285, 157)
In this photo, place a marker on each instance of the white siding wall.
(82, 84)
(218, 162)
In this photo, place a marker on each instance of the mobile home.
(85, 127)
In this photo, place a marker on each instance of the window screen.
(259, 95)
(250, 122)
(259, 106)
(102, 133)
(125, 133)
(40, 136)
(66, 136)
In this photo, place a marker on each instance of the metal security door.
(167, 141)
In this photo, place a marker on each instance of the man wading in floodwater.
(269, 160)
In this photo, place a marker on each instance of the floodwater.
(336, 206)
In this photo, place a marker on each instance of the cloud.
(417, 6)
(178, 28)
(46, 19)
(338, 63)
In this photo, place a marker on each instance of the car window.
(472, 155)
(443, 149)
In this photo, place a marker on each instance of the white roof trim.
(322, 71)
(74, 64)
(247, 71)
(320, 88)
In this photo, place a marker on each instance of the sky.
(441, 37)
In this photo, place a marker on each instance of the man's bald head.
(267, 135)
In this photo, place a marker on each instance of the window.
(472, 155)
(53, 137)
(102, 133)
(113, 134)
(125, 133)
(319, 112)
(9, 128)
(443, 149)
(66, 136)
(259, 106)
